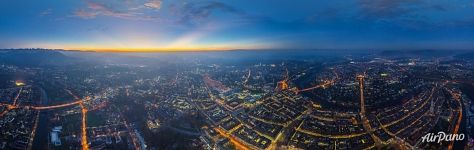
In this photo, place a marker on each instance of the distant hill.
(466, 56)
(34, 57)
(417, 53)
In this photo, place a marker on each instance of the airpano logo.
(441, 136)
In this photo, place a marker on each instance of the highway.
(17, 96)
(238, 145)
(365, 121)
(322, 85)
(57, 106)
(325, 84)
(84, 143)
(457, 97)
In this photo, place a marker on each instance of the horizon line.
(221, 50)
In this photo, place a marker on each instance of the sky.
(159, 25)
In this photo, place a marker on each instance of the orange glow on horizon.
(149, 49)
(140, 46)
(160, 49)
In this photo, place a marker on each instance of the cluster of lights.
(19, 83)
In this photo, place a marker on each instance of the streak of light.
(238, 145)
(85, 145)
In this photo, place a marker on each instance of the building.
(55, 135)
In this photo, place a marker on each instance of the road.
(365, 120)
(11, 106)
(411, 112)
(239, 145)
(15, 105)
(84, 143)
(57, 106)
(325, 84)
(457, 97)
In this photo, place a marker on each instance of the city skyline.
(163, 25)
(242, 100)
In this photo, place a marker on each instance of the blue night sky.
(237, 24)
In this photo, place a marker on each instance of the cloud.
(153, 4)
(107, 11)
(99, 28)
(326, 13)
(81, 13)
(118, 10)
(388, 8)
(46, 12)
(191, 13)
(96, 6)
(186, 13)
(466, 23)
(408, 15)
(399, 8)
